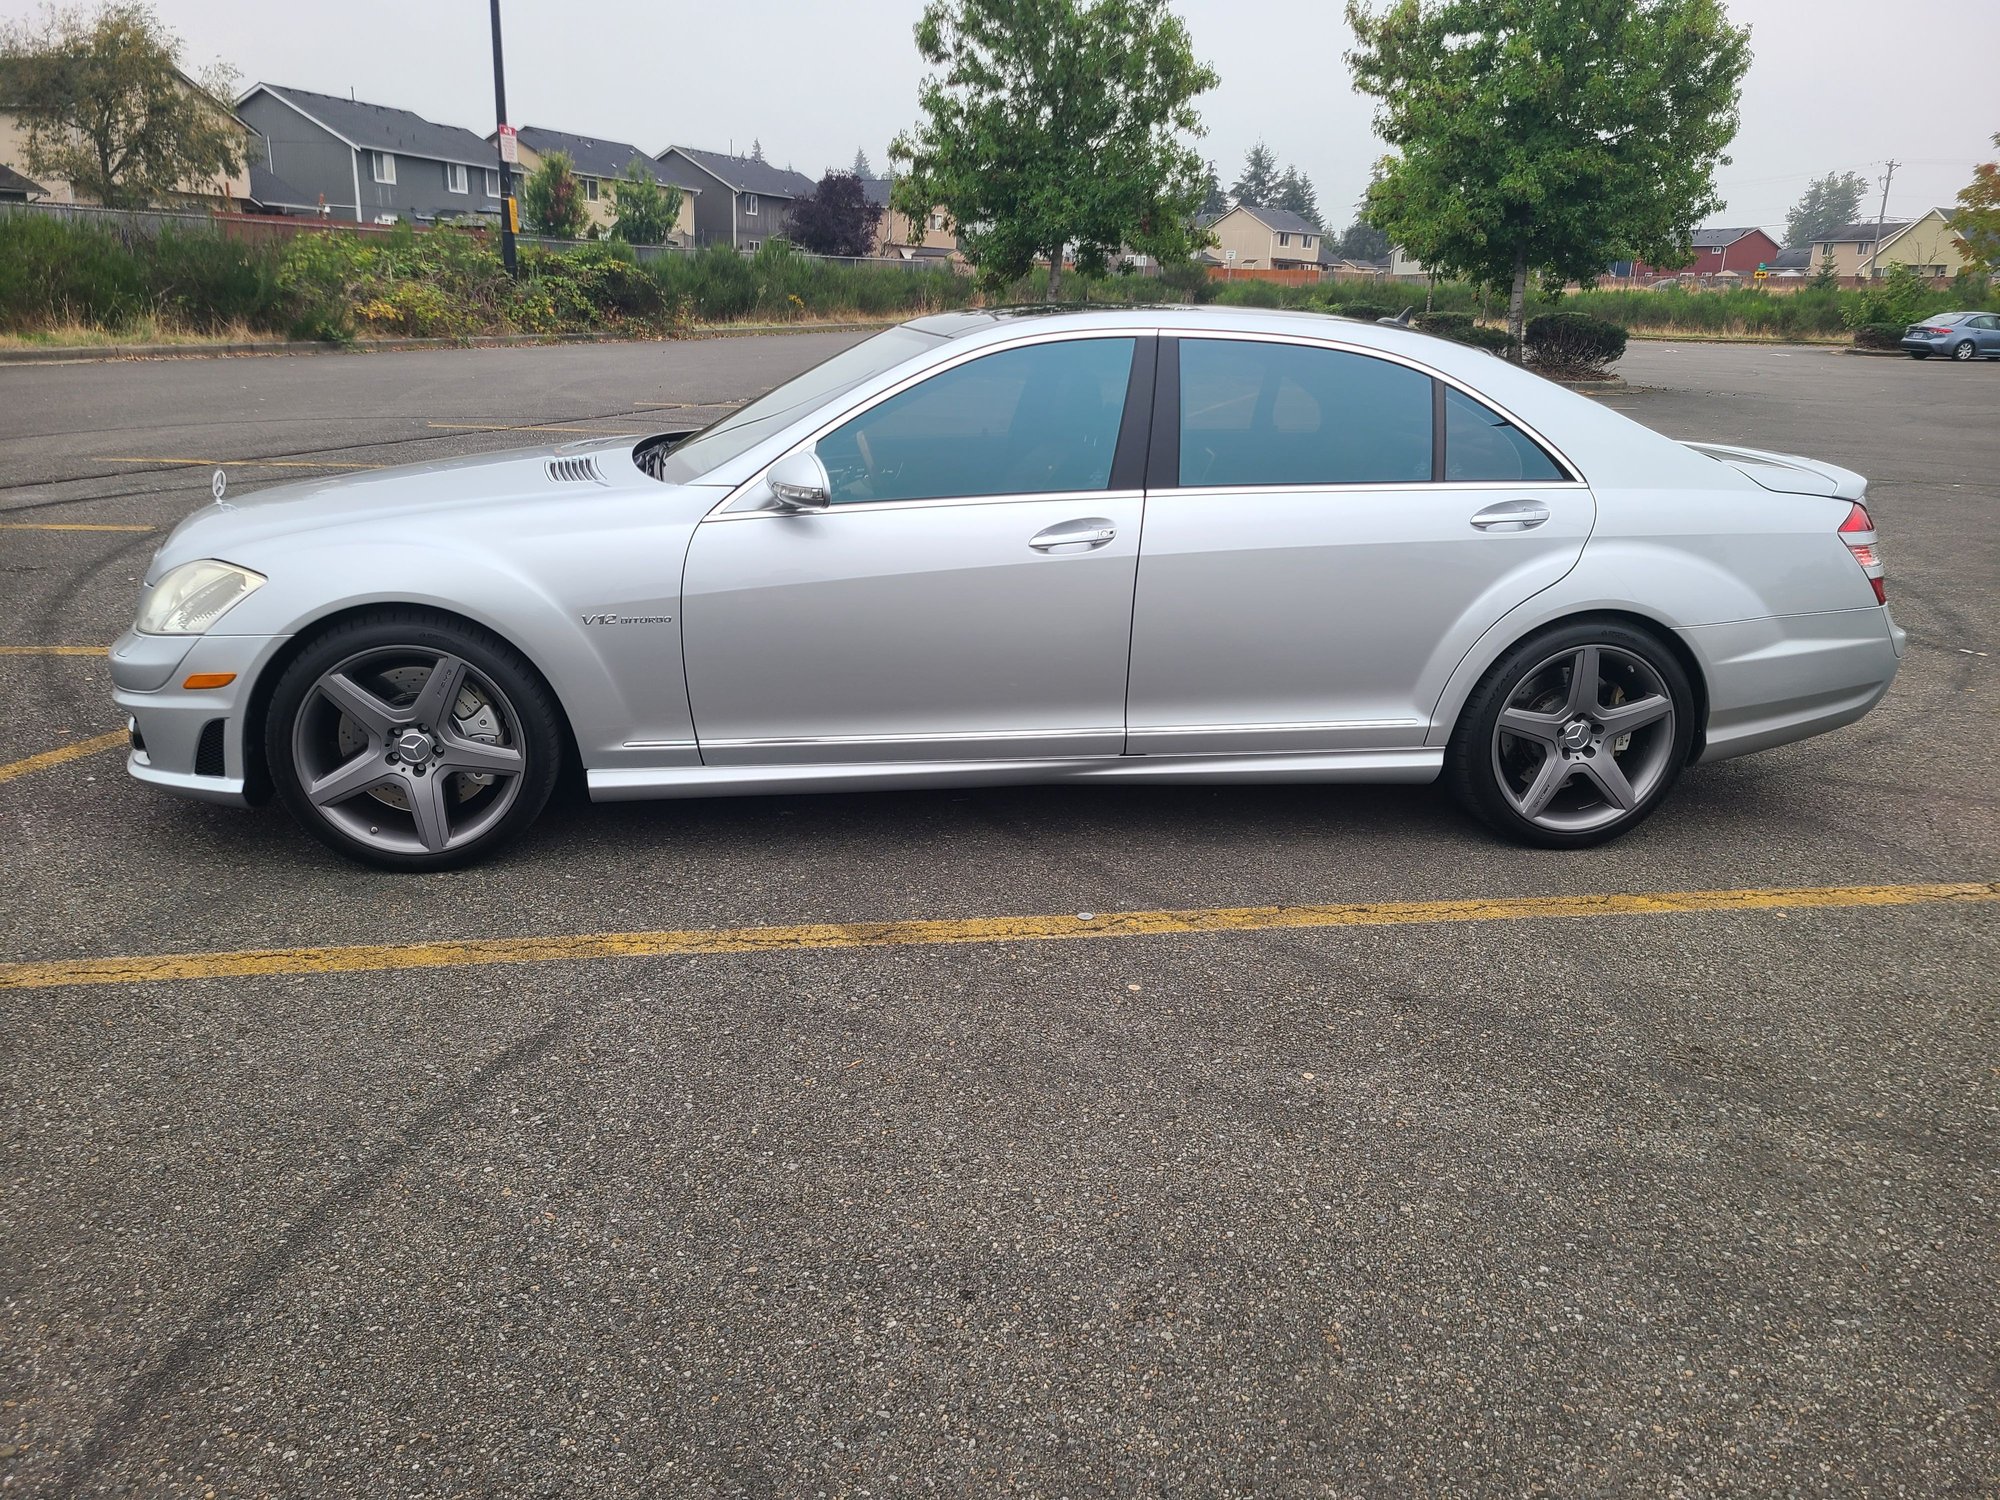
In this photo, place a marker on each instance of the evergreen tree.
(1258, 183)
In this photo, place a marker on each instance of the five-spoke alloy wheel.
(1574, 736)
(412, 742)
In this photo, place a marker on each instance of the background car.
(1958, 335)
(1165, 545)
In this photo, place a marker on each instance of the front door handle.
(1086, 535)
(1511, 515)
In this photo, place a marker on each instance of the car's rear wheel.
(412, 742)
(1575, 736)
(1963, 350)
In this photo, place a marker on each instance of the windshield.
(747, 426)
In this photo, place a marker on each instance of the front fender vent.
(574, 471)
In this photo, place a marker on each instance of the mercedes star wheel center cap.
(413, 745)
(1576, 734)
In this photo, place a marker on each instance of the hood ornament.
(218, 482)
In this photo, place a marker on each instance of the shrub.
(1492, 340)
(1448, 325)
(52, 271)
(1879, 336)
(1573, 342)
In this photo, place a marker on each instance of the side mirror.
(798, 481)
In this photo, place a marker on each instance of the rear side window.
(1255, 413)
(1020, 422)
(1481, 446)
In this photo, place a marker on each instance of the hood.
(1787, 473)
(561, 475)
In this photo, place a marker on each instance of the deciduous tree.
(1547, 136)
(1363, 241)
(837, 219)
(1053, 124)
(107, 108)
(551, 200)
(1977, 218)
(1828, 202)
(644, 210)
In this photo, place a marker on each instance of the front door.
(967, 595)
(1317, 560)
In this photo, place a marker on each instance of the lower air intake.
(208, 759)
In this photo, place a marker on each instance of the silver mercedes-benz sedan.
(1170, 545)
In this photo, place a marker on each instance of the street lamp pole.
(508, 216)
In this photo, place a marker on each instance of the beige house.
(902, 236)
(598, 165)
(1251, 238)
(1928, 245)
(232, 192)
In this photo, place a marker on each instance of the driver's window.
(1022, 422)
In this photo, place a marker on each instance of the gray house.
(746, 201)
(371, 163)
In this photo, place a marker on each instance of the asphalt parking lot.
(1451, 1196)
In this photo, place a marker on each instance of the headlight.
(192, 597)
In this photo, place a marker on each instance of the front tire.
(410, 741)
(1963, 351)
(1574, 737)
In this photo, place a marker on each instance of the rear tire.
(1964, 351)
(410, 741)
(1574, 737)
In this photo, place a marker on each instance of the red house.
(1738, 250)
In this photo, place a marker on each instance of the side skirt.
(623, 784)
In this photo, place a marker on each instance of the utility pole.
(1874, 250)
(503, 140)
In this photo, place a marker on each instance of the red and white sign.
(510, 150)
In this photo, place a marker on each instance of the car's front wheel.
(1963, 350)
(411, 741)
(1575, 736)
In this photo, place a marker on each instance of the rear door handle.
(1086, 534)
(1511, 515)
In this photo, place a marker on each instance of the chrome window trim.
(1575, 480)
(867, 507)
(1056, 336)
(1413, 486)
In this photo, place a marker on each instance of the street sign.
(510, 150)
(1760, 274)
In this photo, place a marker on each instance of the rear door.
(1327, 533)
(966, 596)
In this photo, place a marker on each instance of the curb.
(1879, 353)
(95, 353)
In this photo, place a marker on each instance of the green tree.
(1552, 136)
(1213, 204)
(1257, 184)
(107, 108)
(1828, 202)
(1053, 124)
(1295, 192)
(1977, 220)
(861, 166)
(551, 201)
(1363, 241)
(1828, 275)
(643, 210)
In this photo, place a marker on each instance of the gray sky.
(813, 79)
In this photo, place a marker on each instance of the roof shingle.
(590, 156)
(747, 175)
(378, 127)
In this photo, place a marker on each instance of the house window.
(1307, 241)
(492, 182)
(384, 166)
(750, 204)
(753, 246)
(456, 178)
(1284, 239)
(937, 221)
(590, 189)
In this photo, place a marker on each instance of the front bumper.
(1790, 677)
(173, 743)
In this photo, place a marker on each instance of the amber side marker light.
(208, 680)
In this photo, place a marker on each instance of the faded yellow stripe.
(65, 526)
(701, 943)
(245, 463)
(57, 757)
(53, 650)
(518, 427)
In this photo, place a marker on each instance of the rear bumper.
(1926, 346)
(168, 722)
(1790, 677)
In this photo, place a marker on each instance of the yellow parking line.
(64, 526)
(244, 463)
(147, 968)
(57, 757)
(52, 650)
(513, 427)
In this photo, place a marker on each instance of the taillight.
(1937, 332)
(1858, 531)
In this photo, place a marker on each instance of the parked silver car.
(1182, 545)
(1957, 335)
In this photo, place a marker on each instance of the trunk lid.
(1787, 473)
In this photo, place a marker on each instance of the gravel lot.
(1685, 1204)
